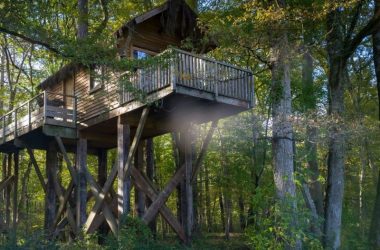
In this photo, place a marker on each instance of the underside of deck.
(168, 114)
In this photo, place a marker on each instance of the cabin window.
(139, 53)
(97, 77)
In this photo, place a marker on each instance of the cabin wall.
(93, 103)
(150, 35)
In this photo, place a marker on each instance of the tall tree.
(310, 107)
(282, 141)
(340, 46)
(374, 232)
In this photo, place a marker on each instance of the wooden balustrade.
(191, 71)
(45, 108)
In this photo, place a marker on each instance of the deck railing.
(177, 67)
(45, 108)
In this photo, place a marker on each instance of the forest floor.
(216, 241)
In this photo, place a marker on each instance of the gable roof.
(169, 11)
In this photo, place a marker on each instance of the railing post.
(15, 117)
(172, 69)
(45, 106)
(29, 116)
(216, 81)
(3, 129)
(75, 111)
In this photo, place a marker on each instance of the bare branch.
(30, 40)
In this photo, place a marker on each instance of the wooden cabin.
(81, 111)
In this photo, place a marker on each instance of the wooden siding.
(93, 103)
(149, 35)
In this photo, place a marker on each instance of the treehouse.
(89, 110)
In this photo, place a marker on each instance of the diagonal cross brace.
(146, 186)
(112, 176)
(177, 178)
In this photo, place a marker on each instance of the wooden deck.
(47, 108)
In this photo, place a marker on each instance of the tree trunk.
(222, 215)
(242, 213)
(310, 106)
(282, 141)
(374, 232)
(335, 177)
(82, 31)
(376, 56)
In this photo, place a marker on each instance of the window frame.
(149, 52)
(94, 88)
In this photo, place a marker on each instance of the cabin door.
(69, 93)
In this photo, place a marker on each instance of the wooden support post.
(139, 195)
(81, 193)
(15, 186)
(102, 177)
(150, 172)
(51, 171)
(124, 182)
(187, 206)
(8, 193)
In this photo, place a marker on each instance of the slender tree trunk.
(310, 105)
(282, 142)
(242, 213)
(335, 177)
(374, 232)
(222, 215)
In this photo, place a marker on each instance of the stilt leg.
(82, 183)
(124, 182)
(15, 186)
(139, 195)
(51, 171)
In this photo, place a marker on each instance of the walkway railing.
(176, 67)
(45, 108)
